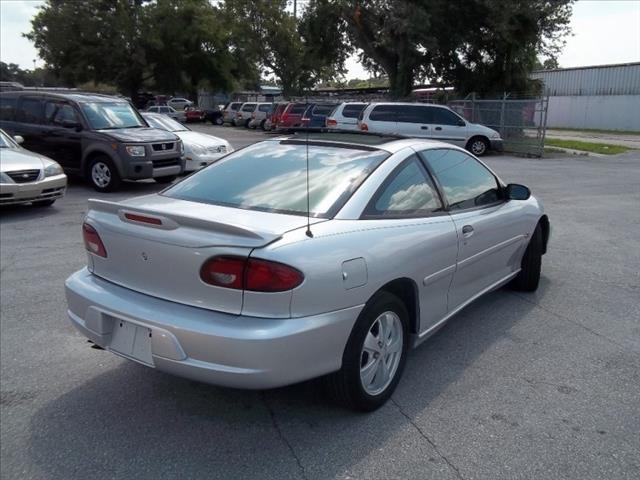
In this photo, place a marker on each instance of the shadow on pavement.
(131, 420)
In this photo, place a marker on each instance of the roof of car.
(75, 96)
(372, 104)
(345, 138)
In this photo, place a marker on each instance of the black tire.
(44, 203)
(262, 125)
(479, 146)
(246, 123)
(345, 386)
(529, 277)
(108, 169)
(167, 179)
(218, 121)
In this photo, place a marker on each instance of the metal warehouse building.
(601, 97)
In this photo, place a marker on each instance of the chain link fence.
(521, 122)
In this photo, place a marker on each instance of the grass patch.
(594, 130)
(604, 148)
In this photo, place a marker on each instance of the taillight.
(332, 122)
(92, 241)
(364, 127)
(251, 274)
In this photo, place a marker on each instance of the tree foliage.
(475, 45)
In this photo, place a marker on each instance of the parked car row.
(101, 138)
(417, 120)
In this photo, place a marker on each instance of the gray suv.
(102, 138)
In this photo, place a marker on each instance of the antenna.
(308, 232)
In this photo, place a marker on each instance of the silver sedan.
(299, 257)
(26, 177)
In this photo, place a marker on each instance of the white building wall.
(605, 112)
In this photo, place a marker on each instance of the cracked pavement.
(517, 386)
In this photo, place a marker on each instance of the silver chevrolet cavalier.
(329, 254)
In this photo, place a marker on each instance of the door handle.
(438, 128)
(424, 128)
(467, 231)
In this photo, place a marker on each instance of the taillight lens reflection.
(92, 241)
(251, 274)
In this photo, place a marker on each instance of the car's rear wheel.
(478, 146)
(218, 120)
(246, 123)
(374, 357)
(262, 125)
(167, 179)
(103, 175)
(529, 277)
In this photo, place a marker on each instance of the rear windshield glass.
(271, 176)
(323, 109)
(352, 110)
(298, 108)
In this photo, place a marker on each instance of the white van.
(435, 122)
(345, 116)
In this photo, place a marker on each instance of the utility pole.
(295, 8)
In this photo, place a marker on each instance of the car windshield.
(111, 115)
(6, 141)
(277, 182)
(165, 123)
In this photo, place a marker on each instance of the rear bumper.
(50, 188)
(213, 347)
(497, 145)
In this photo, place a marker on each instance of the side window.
(443, 116)
(56, 113)
(265, 108)
(414, 114)
(383, 113)
(29, 110)
(8, 108)
(465, 181)
(406, 193)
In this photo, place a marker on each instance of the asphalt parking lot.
(535, 386)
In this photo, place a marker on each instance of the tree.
(300, 53)
(476, 45)
(92, 40)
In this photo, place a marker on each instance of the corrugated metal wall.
(622, 79)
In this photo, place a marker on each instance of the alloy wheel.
(101, 174)
(381, 353)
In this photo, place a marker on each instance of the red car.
(291, 116)
(194, 114)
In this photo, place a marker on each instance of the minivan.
(102, 138)
(435, 122)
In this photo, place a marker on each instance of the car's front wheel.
(218, 121)
(529, 277)
(103, 174)
(478, 146)
(374, 357)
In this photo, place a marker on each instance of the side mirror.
(19, 139)
(517, 192)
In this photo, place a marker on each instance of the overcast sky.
(604, 31)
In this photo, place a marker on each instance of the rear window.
(353, 110)
(323, 109)
(8, 107)
(277, 179)
(265, 107)
(298, 108)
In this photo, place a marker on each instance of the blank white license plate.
(132, 341)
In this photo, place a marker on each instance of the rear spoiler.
(174, 220)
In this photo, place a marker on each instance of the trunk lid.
(164, 260)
